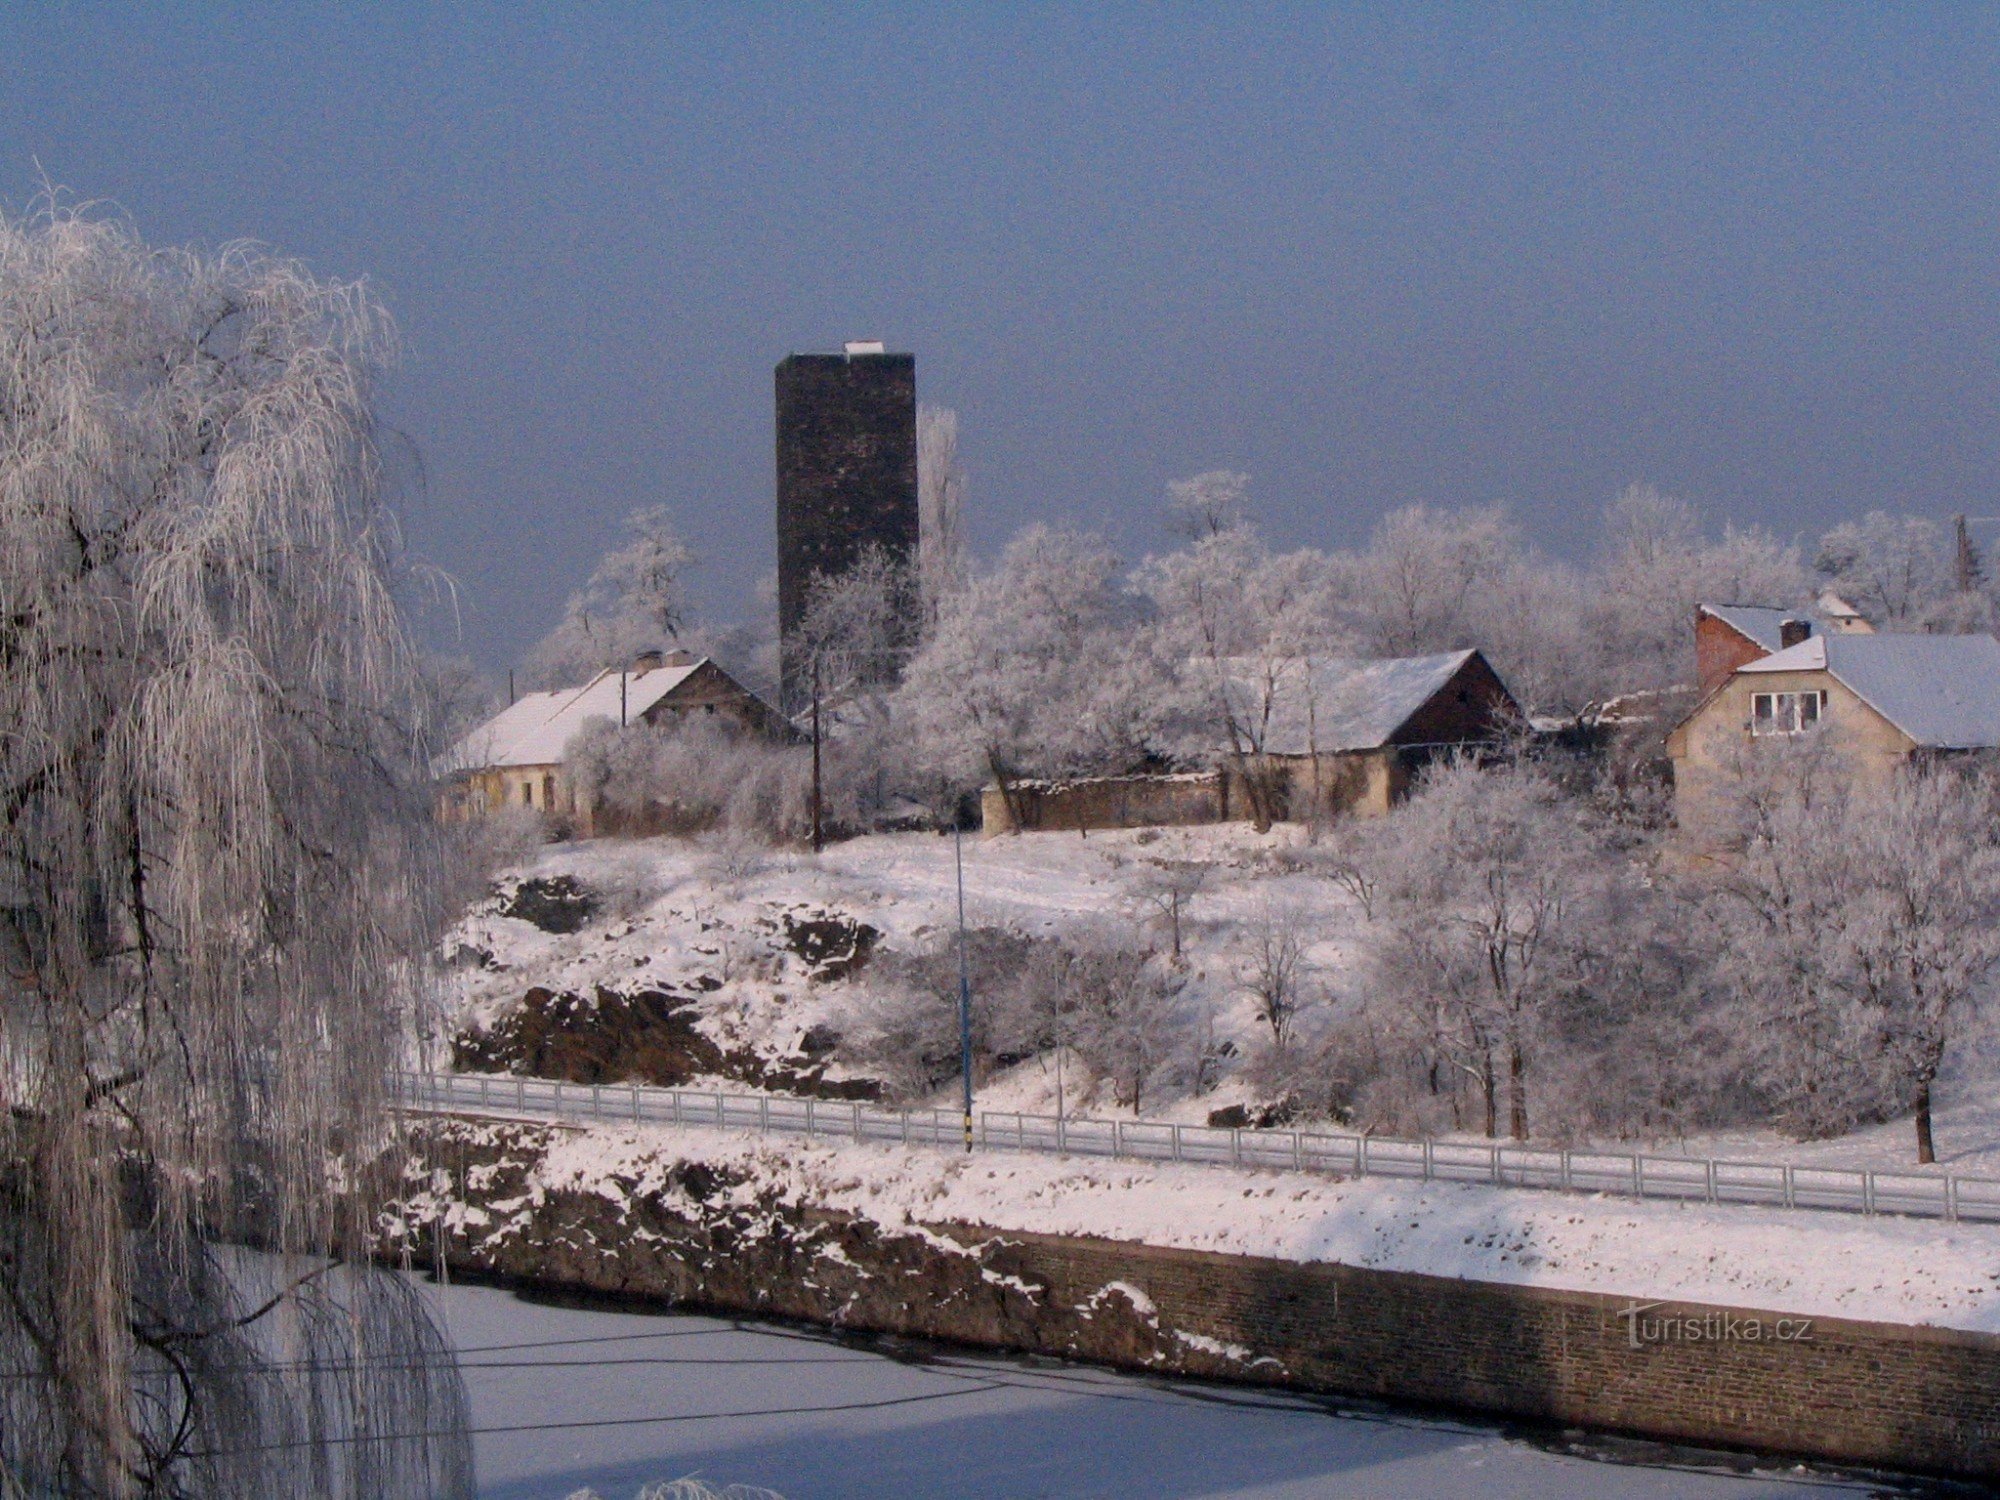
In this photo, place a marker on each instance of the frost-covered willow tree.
(212, 883)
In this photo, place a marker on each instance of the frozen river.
(565, 1398)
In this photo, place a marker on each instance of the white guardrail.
(1682, 1178)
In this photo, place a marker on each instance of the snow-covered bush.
(1123, 1011)
(691, 777)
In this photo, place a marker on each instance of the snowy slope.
(709, 920)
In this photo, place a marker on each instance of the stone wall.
(1106, 802)
(1876, 1394)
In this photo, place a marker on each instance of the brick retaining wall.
(1851, 1392)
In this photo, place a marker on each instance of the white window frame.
(1786, 713)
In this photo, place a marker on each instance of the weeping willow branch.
(216, 885)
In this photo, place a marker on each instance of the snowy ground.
(1815, 1264)
(565, 1398)
(711, 918)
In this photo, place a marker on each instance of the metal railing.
(1678, 1178)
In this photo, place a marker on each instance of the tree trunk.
(1517, 1092)
(1255, 793)
(1007, 793)
(1490, 1087)
(1926, 1152)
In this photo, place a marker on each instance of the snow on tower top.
(864, 346)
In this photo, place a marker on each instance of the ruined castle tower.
(847, 472)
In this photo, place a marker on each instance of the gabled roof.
(1943, 691)
(1757, 622)
(534, 729)
(1334, 704)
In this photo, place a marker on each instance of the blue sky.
(1372, 255)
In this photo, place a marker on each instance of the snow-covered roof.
(533, 730)
(1757, 622)
(1943, 691)
(1334, 703)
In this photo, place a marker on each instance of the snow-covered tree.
(1781, 907)
(1130, 1019)
(1235, 624)
(1272, 968)
(1496, 906)
(1655, 565)
(1417, 586)
(1209, 503)
(1862, 932)
(942, 558)
(636, 601)
(1925, 932)
(1033, 669)
(215, 883)
(1892, 568)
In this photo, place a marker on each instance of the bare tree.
(1130, 1019)
(217, 884)
(1166, 887)
(1273, 968)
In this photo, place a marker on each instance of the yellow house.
(516, 758)
(1873, 700)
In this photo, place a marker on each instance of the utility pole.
(510, 687)
(964, 984)
(621, 700)
(819, 835)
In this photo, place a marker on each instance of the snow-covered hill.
(724, 965)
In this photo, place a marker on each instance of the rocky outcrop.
(644, 1036)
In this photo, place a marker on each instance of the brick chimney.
(1792, 632)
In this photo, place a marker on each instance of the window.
(1785, 713)
(528, 793)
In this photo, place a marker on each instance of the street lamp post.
(964, 983)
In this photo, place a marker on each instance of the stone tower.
(847, 473)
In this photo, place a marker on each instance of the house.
(1728, 636)
(1350, 735)
(1340, 735)
(516, 757)
(1875, 701)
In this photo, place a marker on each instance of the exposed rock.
(647, 1036)
(832, 947)
(555, 903)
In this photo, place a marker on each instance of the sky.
(1371, 255)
